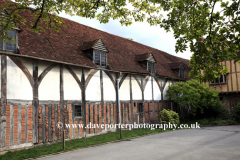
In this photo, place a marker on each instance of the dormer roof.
(176, 65)
(96, 44)
(145, 57)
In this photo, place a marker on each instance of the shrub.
(168, 116)
(235, 113)
(218, 111)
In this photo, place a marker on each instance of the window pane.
(217, 80)
(103, 59)
(78, 110)
(149, 67)
(221, 78)
(153, 68)
(11, 46)
(225, 78)
(97, 57)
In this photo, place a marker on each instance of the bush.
(218, 111)
(166, 116)
(235, 113)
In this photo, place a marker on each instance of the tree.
(198, 97)
(208, 27)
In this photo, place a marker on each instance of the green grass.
(74, 144)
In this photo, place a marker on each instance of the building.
(75, 76)
(229, 84)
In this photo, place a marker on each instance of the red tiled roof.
(142, 57)
(88, 45)
(68, 43)
(175, 65)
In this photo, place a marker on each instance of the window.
(151, 67)
(181, 73)
(78, 110)
(140, 107)
(8, 45)
(100, 58)
(221, 79)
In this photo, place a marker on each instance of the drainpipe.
(118, 104)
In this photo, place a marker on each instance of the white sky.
(141, 32)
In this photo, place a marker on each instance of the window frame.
(140, 107)
(219, 80)
(77, 116)
(16, 44)
(100, 58)
(152, 69)
(181, 73)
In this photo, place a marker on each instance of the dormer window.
(147, 61)
(8, 45)
(97, 51)
(178, 68)
(181, 73)
(100, 58)
(151, 67)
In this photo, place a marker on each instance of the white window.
(151, 67)
(221, 79)
(8, 45)
(100, 58)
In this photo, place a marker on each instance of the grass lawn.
(77, 143)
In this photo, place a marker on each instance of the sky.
(140, 32)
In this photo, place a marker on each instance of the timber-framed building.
(75, 76)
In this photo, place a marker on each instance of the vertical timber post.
(3, 101)
(118, 104)
(153, 100)
(35, 103)
(62, 105)
(131, 105)
(143, 100)
(83, 103)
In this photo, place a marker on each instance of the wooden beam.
(153, 99)
(61, 100)
(50, 122)
(122, 79)
(44, 73)
(131, 106)
(56, 121)
(74, 76)
(11, 123)
(19, 123)
(3, 103)
(83, 102)
(159, 86)
(23, 68)
(145, 83)
(111, 78)
(43, 123)
(139, 84)
(98, 120)
(89, 77)
(26, 123)
(73, 114)
(68, 134)
(35, 103)
(143, 97)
